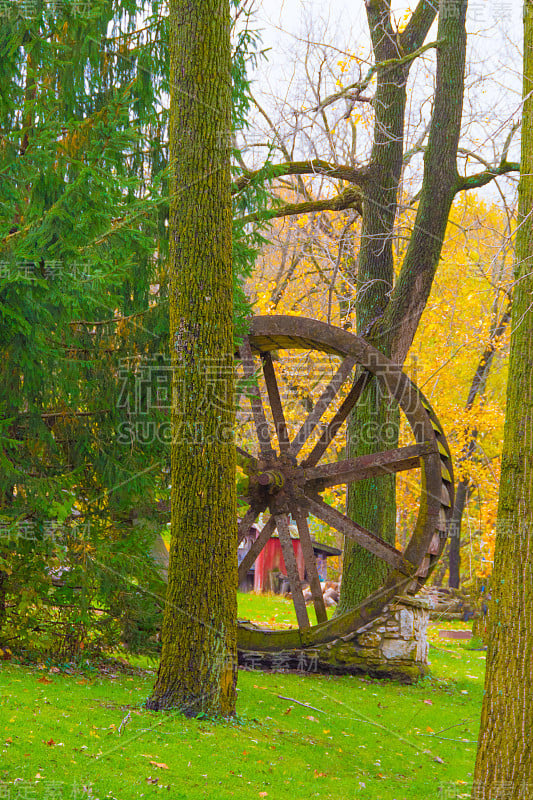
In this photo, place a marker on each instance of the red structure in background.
(270, 562)
(269, 574)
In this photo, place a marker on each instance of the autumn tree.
(464, 487)
(197, 672)
(505, 756)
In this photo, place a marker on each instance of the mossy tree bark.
(388, 312)
(505, 752)
(198, 663)
(371, 503)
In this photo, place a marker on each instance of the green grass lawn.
(60, 734)
(272, 610)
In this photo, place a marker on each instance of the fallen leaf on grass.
(158, 764)
(44, 679)
(313, 719)
(427, 702)
(263, 794)
(50, 742)
(288, 710)
(9, 740)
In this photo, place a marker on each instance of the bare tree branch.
(358, 176)
(354, 90)
(350, 198)
(488, 175)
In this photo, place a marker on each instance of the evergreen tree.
(82, 233)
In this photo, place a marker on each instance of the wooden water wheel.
(284, 484)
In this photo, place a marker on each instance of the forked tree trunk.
(504, 763)
(372, 503)
(197, 673)
(388, 313)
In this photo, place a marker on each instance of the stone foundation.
(394, 645)
(451, 604)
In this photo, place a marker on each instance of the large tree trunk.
(388, 316)
(372, 503)
(198, 662)
(505, 754)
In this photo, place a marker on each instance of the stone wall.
(394, 645)
(450, 604)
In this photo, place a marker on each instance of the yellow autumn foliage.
(300, 272)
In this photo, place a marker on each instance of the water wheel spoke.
(322, 404)
(333, 426)
(386, 462)
(291, 566)
(369, 541)
(310, 564)
(266, 532)
(275, 402)
(247, 521)
(254, 395)
(246, 460)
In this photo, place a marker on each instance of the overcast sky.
(493, 63)
(497, 25)
(287, 15)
